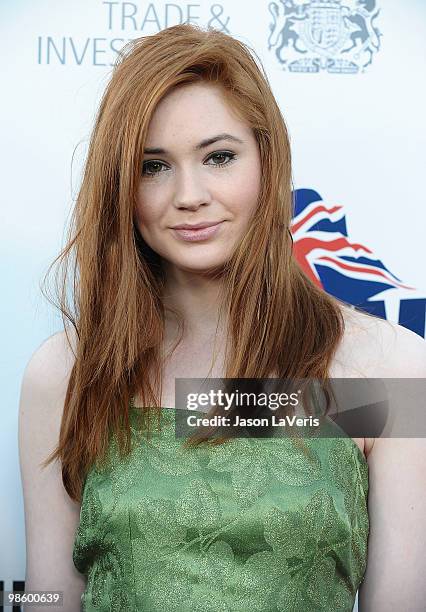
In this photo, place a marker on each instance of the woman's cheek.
(148, 210)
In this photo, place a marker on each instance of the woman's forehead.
(195, 111)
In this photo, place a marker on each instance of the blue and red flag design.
(349, 270)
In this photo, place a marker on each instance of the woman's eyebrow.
(201, 145)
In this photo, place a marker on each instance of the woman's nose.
(190, 190)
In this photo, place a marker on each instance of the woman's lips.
(194, 235)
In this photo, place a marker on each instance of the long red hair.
(278, 320)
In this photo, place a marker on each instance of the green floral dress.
(253, 525)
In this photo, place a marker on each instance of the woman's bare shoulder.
(376, 348)
(51, 363)
(47, 372)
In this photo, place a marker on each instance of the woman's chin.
(202, 265)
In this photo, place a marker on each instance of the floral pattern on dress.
(266, 525)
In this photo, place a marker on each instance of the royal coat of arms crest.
(315, 35)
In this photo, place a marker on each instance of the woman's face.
(201, 165)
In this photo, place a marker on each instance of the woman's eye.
(152, 167)
(221, 158)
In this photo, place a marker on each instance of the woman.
(189, 133)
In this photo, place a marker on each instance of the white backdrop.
(358, 139)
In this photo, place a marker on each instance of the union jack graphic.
(349, 270)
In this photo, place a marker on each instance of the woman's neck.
(197, 299)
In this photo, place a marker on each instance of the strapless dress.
(253, 525)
